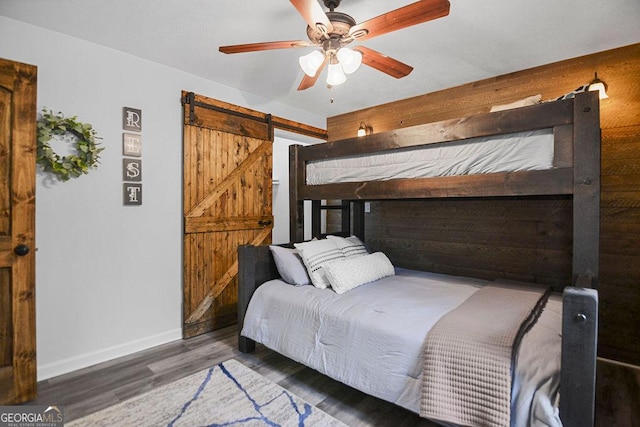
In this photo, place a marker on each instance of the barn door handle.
(21, 250)
(265, 222)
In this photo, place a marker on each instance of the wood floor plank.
(88, 390)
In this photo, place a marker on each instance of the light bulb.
(349, 59)
(599, 86)
(364, 129)
(335, 75)
(311, 62)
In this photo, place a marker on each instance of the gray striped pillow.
(316, 254)
(351, 247)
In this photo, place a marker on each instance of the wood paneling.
(617, 67)
(619, 386)
(526, 239)
(620, 192)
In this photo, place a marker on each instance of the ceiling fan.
(332, 31)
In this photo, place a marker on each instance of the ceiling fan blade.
(312, 12)
(307, 81)
(383, 63)
(412, 14)
(254, 47)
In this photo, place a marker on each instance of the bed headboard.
(575, 173)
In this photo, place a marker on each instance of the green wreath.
(87, 152)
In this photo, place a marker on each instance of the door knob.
(21, 250)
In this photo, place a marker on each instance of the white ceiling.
(478, 40)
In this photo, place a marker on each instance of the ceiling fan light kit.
(311, 62)
(344, 61)
(349, 59)
(332, 31)
(335, 75)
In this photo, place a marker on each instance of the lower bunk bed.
(410, 337)
(374, 338)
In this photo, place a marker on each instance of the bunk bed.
(570, 131)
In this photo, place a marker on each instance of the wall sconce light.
(600, 86)
(364, 129)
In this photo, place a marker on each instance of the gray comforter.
(372, 337)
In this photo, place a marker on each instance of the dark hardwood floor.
(88, 390)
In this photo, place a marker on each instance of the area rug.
(228, 394)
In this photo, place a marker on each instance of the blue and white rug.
(228, 394)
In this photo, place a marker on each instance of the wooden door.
(227, 203)
(17, 232)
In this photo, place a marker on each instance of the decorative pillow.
(290, 266)
(316, 254)
(350, 246)
(351, 273)
(530, 100)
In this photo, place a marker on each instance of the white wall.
(280, 232)
(109, 277)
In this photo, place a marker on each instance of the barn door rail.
(192, 118)
(191, 101)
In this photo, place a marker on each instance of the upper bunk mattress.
(522, 151)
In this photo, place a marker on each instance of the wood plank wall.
(490, 233)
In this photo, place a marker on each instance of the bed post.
(255, 267)
(586, 189)
(579, 343)
(246, 276)
(580, 304)
(296, 206)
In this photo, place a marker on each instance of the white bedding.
(371, 337)
(505, 153)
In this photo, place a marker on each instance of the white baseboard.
(71, 364)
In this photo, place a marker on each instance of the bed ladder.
(346, 207)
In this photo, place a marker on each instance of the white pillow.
(351, 273)
(289, 265)
(530, 100)
(317, 254)
(350, 246)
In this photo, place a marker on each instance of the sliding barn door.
(227, 203)
(17, 232)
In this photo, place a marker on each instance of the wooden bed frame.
(576, 128)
